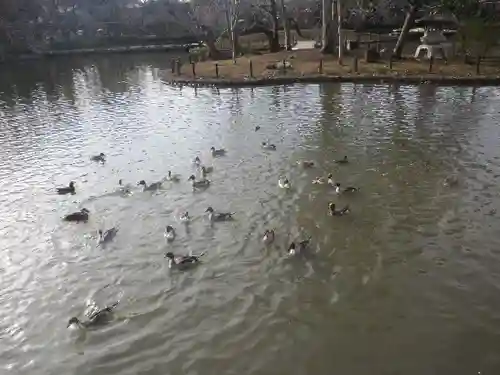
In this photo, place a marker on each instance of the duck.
(182, 261)
(97, 318)
(268, 237)
(99, 158)
(169, 233)
(318, 181)
(125, 189)
(335, 212)
(206, 170)
(302, 246)
(185, 218)
(82, 215)
(284, 183)
(200, 184)
(173, 177)
(219, 152)
(349, 189)
(342, 161)
(329, 180)
(107, 236)
(268, 146)
(152, 187)
(257, 128)
(70, 189)
(306, 163)
(197, 161)
(219, 216)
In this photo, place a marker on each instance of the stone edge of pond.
(411, 80)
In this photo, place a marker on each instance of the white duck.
(284, 183)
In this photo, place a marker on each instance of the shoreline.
(315, 79)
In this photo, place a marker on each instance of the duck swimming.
(200, 184)
(182, 261)
(349, 189)
(335, 212)
(302, 246)
(185, 218)
(197, 161)
(306, 164)
(173, 177)
(206, 170)
(97, 318)
(268, 146)
(99, 158)
(82, 215)
(107, 236)
(342, 161)
(152, 187)
(257, 128)
(67, 190)
(318, 181)
(219, 152)
(330, 180)
(268, 237)
(284, 183)
(125, 189)
(169, 233)
(219, 216)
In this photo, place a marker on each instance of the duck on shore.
(80, 216)
(70, 189)
(99, 317)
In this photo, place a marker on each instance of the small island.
(311, 66)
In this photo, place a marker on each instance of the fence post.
(390, 62)
(355, 64)
(172, 65)
(250, 66)
(190, 59)
(193, 67)
(178, 66)
(284, 66)
(216, 70)
(320, 68)
(431, 62)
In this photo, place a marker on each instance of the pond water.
(406, 284)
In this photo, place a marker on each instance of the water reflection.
(406, 284)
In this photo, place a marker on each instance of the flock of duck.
(96, 316)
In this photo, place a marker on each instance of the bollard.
(284, 66)
(216, 70)
(431, 62)
(172, 65)
(250, 66)
(355, 64)
(193, 68)
(390, 62)
(320, 68)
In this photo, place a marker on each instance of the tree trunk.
(339, 31)
(230, 32)
(274, 41)
(286, 27)
(409, 21)
(327, 27)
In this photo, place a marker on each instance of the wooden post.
(390, 62)
(216, 70)
(250, 67)
(172, 65)
(178, 66)
(478, 63)
(193, 67)
(284, 66)
(431, 62)
(355, 64)
(320, 68)
(190, 59)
